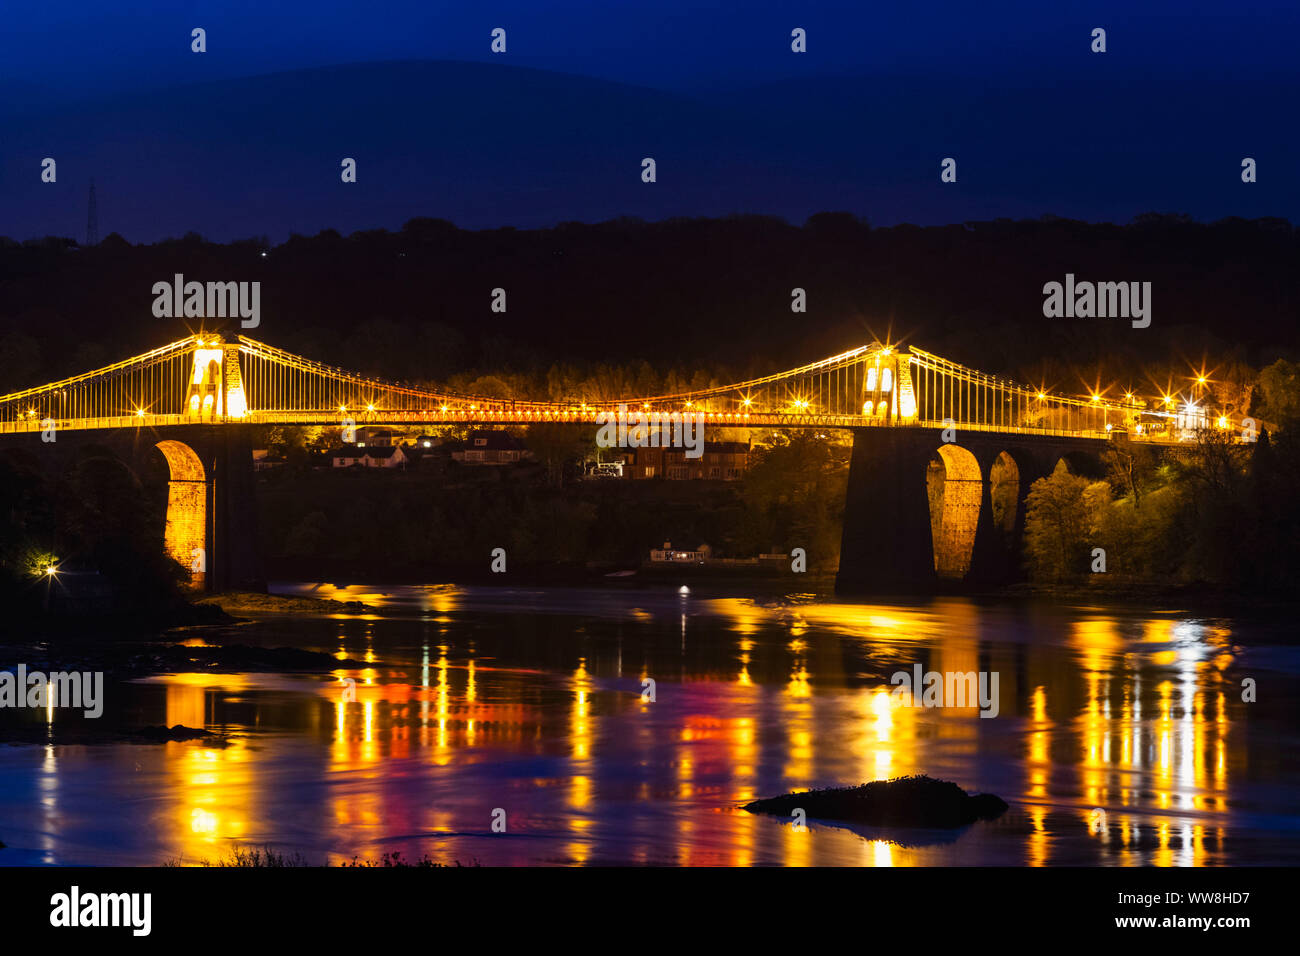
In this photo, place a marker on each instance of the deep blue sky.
(1038, 123)
(87, 48)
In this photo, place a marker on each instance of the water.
(1122, 738)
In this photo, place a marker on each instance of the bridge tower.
(216, 389)
(888, 396)
(211, 505)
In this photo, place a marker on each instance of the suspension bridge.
(204, 379)
(943, 454)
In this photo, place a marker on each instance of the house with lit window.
(720, 461)
(264, 459)
(491, 448)
(385, 456)
(361, 456)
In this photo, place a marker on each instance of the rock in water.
(179, 732)
(918, 801)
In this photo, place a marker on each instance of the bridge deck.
(533, 417)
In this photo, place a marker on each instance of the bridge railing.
(525, 416)
(30, 425)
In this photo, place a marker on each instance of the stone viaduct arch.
(185, 537)
(922, 514)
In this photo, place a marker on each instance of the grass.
(396, 859)
(263, 858)
(240, 857)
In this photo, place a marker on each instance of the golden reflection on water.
(1160, 761)
(219, 787)
(1115, 736)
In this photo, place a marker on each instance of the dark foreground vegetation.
(916, 801)
(1213, 513)
(454, 516)
(266, 857)
(86, 539)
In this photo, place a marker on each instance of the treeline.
(1214, 512)
(618, 306)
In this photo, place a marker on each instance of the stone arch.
(956, 491)
(1080, 463)
(1004, 493)
(186, 536)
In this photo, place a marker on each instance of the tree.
(793, 496)
(310, 536)
(1061, 515)
(1132, 467)
(1279, 387)
(554, 444)
(20, 361)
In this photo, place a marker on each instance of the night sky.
(246, 139)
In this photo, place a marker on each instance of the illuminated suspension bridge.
(204, 379)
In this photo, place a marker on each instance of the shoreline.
(1127, 594)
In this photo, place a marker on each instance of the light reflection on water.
(1121, 738)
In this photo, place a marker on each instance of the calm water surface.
(1122, 738)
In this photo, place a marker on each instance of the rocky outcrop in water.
(917, 801)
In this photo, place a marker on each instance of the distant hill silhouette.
(486, 145)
